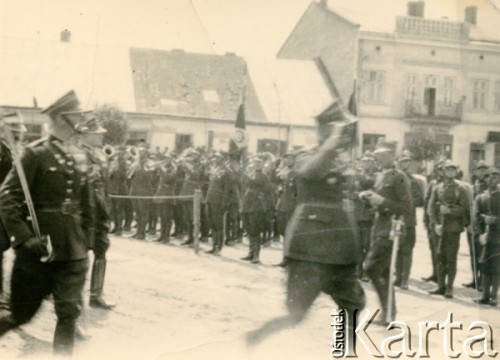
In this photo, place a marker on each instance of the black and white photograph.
(249, 179)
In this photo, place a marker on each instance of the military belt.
(68, 207)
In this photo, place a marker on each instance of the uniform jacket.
(488, 203)
(99, 197)
(392, 185)
(217, 186)
(322, 228)
(455, 197)
(140, 183)
(288, 196)
(166, 185)
(192, 180)
(232, 195)
(256, 190)
(60, 192)
(118, 177)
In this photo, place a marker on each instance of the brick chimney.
(416, 8)
(65, 36)
(471, 15)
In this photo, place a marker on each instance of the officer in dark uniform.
(487, 214)
(166, 187)
(92, 137)
(9, 121)
(321, 245)
(56, 175)
(232, 198)
(140, 185)
(215, 201)
(391, 199)
(118, 186)
(449, 213)
(254, 206)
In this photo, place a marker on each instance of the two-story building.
(412, 67)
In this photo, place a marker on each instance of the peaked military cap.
(67, 102)
(480, 164)
(449, 164)
(405, 155)
(367, 155)
(493, 170)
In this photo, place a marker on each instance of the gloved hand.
(36, 247)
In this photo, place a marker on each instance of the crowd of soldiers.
(339, 218)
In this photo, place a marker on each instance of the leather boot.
(64, 337)
(441, 278)
(405, 271)
(7, 323)
(251, 249)
(449, 285)
(97, 284)
(256, 251)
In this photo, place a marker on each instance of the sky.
(246, 27)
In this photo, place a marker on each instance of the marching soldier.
(449, 213)
(391, 200)
(56, 176)
(487, 214)
(322, 249)
(92, 136)
(13, 123)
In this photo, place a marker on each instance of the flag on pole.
(239, 139)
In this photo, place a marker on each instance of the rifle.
(27, 195)
(396, 230)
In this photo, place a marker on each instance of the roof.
(382, 16)
(149, 81)
(188, 84)
(291, 92)
(46, 70)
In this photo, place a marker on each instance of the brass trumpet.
(109, 151)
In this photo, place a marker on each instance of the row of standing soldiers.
(258, 193)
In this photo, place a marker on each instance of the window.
(182, 142)
(448, 91)
(375, 87)
(411, 95)
(370, 140)
(496, 105)
(476, 154)
(479, 94)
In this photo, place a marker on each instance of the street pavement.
(175, 304)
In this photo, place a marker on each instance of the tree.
(113, 120)
(423, 146)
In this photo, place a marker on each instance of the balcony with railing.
(432, 27)
(438, 111)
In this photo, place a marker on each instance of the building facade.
(418, 73)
